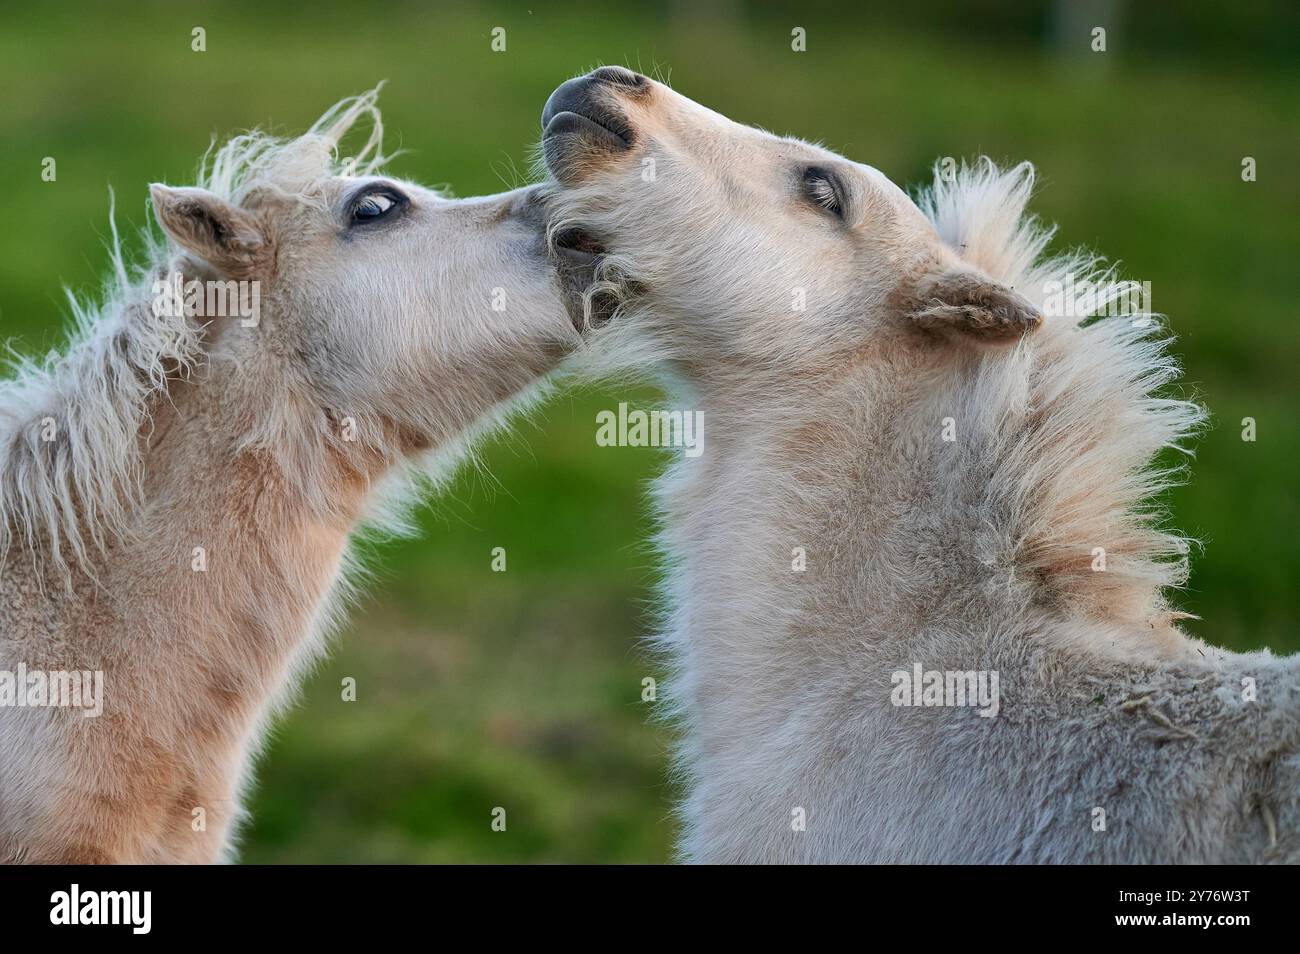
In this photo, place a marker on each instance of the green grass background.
(522, 689)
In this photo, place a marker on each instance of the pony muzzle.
(584, 125)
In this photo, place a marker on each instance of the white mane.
(70, 424)
(1073, 422)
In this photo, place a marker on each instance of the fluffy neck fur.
(213, 573)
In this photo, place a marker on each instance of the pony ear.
(963, 303)
(225, 236)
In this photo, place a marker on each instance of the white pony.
(178, 489)
(915, 595)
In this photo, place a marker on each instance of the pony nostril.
(618, 76)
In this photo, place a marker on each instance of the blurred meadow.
(522, 689)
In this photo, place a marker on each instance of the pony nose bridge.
(619, 76)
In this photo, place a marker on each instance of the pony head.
(765, 251)
(320, 318)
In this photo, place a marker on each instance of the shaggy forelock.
(254, 162)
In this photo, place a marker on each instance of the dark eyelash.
(821, 186)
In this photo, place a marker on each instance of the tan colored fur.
(824, 436)
(377, 359)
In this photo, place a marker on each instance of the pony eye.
(823, 189)
(376, 205)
